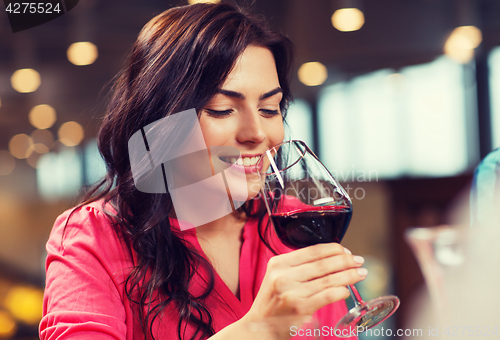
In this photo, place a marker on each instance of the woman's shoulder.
(86, 267)
(94, 215)
(87, 227)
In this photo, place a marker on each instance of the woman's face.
(245, 113)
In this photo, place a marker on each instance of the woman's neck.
(229, 226)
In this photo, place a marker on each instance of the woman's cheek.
(214, 131)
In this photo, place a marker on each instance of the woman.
(120, 267)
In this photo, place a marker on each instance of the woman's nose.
(250, 128)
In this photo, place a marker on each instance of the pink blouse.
(85, 296)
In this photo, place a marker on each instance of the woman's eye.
(218, 113)
(270, 112)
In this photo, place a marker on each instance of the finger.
(314, 253)
(294, 303)
(340, 279)
(326, 266)
(324, 298)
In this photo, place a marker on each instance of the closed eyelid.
(218, 112)
(270, 102)
(273, 101)
(223, 103)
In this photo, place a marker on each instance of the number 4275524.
(32, 7)
(470, 331)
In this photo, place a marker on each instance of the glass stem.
(358, 300)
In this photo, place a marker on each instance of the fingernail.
(358, 259)
(362, 271)
(347, 251)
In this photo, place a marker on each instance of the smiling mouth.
(243, 161)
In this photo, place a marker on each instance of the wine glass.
(440, 254)
(308, 206)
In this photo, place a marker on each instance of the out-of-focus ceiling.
(396, 33)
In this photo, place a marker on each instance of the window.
(299, 119)
(494, 66)
(59, 175)
(387, 124)
(95, 168)
(62, 174)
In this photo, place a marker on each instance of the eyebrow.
(240, 95)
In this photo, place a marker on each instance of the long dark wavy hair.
(179, 61)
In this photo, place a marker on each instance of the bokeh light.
(40, 148)
(7, 325)
(461, 43)
(348, 19)
(20, 146)
(42, 143)
(312, 73)
(70, 133)
(467, 36)
(42, 116)
(34, 158)
(460, 55)
(25, 304)
(7, 163)
(82, 53)
(43, 137)
(25, 80)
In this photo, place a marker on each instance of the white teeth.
(245, 161)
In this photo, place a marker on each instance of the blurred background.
(400, 99)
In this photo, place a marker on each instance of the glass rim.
(307, 149)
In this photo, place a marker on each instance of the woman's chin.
(253, 187)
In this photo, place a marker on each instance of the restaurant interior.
(400, 99)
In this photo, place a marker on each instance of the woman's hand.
(299, 283)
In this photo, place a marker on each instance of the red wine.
(300, 229)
